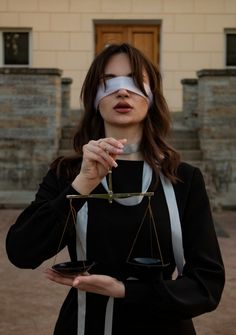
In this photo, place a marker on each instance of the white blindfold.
(117, 83)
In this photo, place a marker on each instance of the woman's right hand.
(98, 158)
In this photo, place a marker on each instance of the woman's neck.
(131, 157)
(133, 136)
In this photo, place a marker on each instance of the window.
(230, 47)
(15, 47)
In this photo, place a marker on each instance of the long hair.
(156, 126)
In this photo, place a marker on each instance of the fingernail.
(115, 164)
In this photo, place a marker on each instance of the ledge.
(27, 70)
(66, 81)
(216, 73)
(189, 81)
(16, 199)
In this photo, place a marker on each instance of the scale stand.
(141, 267)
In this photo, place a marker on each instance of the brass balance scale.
(139, 267)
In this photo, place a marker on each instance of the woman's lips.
(123, 107)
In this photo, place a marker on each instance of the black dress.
(151, 306)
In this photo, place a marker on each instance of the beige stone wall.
(192, 34)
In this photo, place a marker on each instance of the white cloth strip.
(114, 84)
(81, 312)
(81, 231)
(176, 231)
(109, 316)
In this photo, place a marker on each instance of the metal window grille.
(231, 49)
(16, 48)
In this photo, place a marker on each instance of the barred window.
(231, 48)
(15, 48)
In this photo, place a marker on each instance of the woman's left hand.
(99, 284)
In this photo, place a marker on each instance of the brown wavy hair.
(156, 126)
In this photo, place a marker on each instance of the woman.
(124, 130)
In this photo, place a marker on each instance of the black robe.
(151, 306)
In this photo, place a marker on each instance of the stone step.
(186, 155)
(16, 199)
(183, 139)
(185, 144)
(178, 144)
(66, 143)
(177, 117)
(65, 152)
(197, 163)
(68, 132)
(184, 133)
(190, 155)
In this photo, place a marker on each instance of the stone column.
(190, 102)
(65, 101)
(217, 112)
(30, 117)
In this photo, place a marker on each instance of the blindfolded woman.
(135, 243)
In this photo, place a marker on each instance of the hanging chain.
(73, 214)
(152, 223)
(155, 230)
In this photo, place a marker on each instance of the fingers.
(100, 284)
(111, 145)
(59, 278)
(104, 151)
(94, 153)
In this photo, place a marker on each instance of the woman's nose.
(122, 92)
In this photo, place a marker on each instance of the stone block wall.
(35, 105)
(213, 112)
(65, 101)
(190, 102)
(30, 125)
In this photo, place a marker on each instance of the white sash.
(176, 231)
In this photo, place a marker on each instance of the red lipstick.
(123, 107)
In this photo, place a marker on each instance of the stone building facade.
(63, 34)
(35, 109)
(32, 114)
(209, 106)
(36, 102)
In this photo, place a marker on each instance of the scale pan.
(73, 268)
(146, 261)
(145, 268)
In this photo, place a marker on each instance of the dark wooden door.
(144, 37)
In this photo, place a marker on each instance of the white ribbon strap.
(109, 316)
(176, 232)
(81, 231)
(81, 312)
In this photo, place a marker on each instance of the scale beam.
(110, 196)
